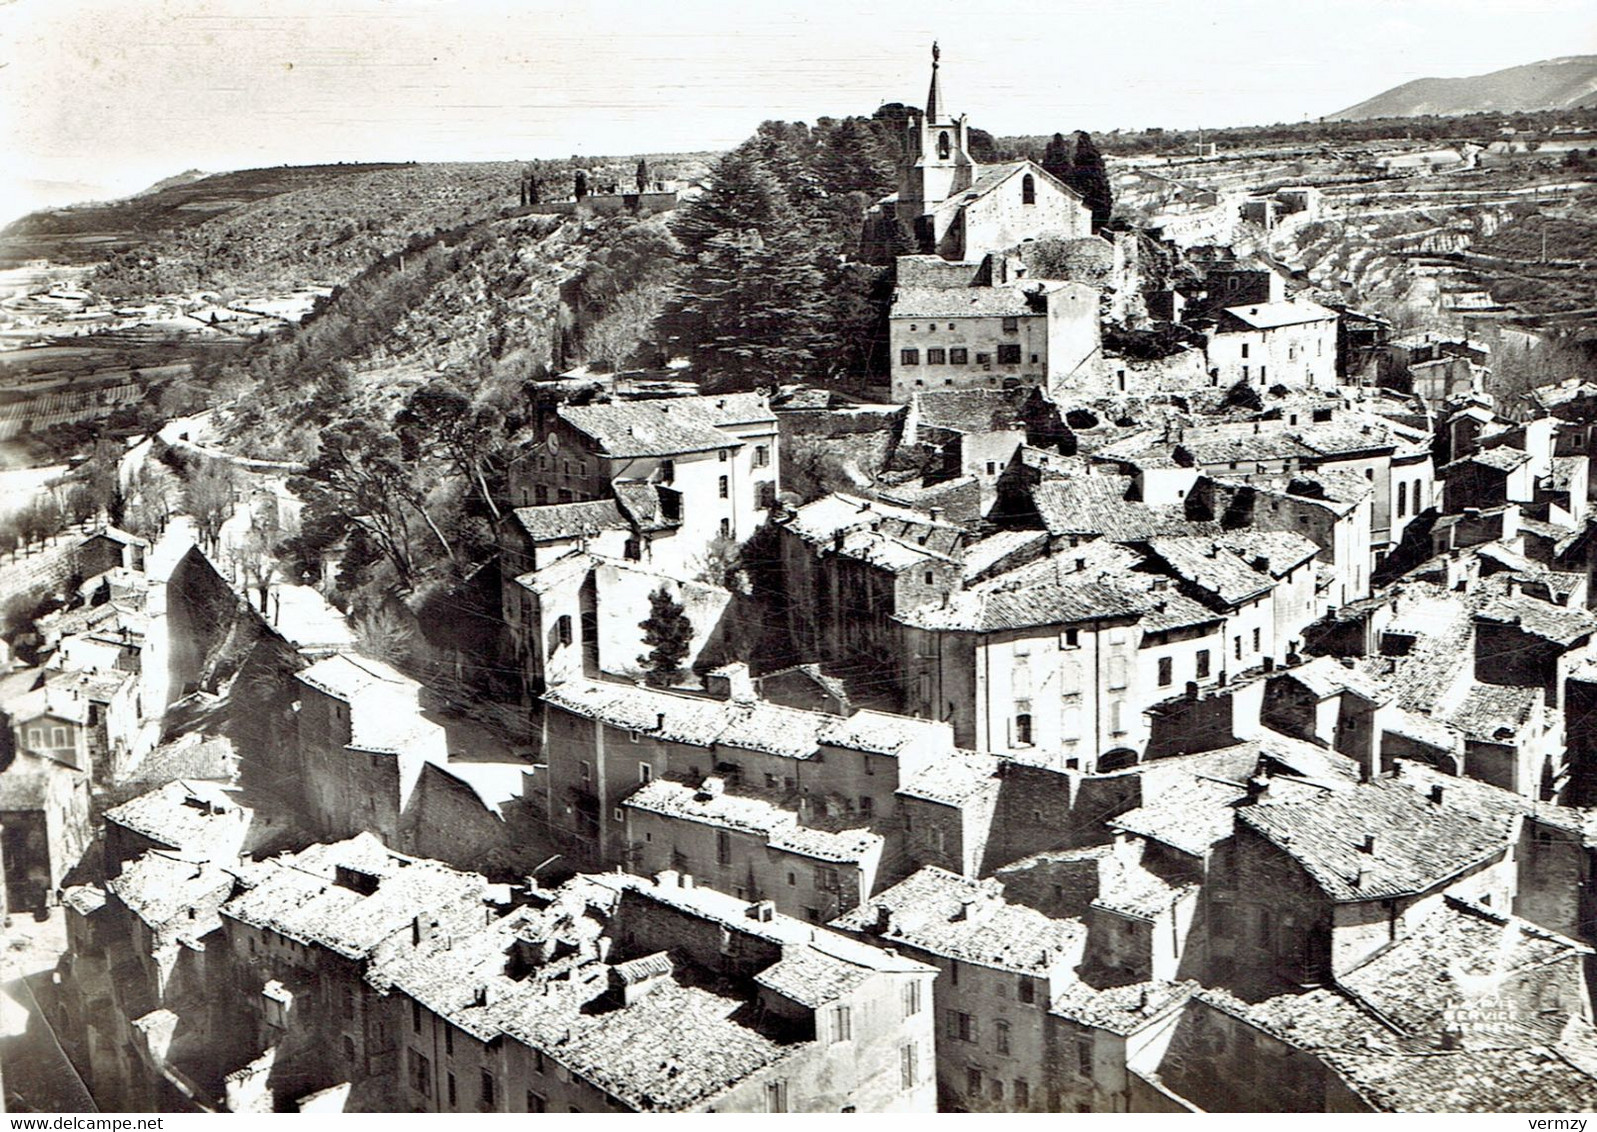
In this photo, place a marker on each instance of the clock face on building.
(554, 442)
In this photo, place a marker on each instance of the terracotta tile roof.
(1493, 713)
(1280, 551)
(1556, 623)
(812, 978)
(663, 427)
(1126, 888)
(1488, 803)
(955, 779)
(1287, 312)
(1097, 505)
(1193, 820)
(993, 610)
(1212, 568)
(1536, 1079)
(1121, 1009)
(1325, 677)
(1501, 459)
(964, 302)
(779, 827)
(569, 520)
(299, 896)
(1417, 845)
(1458, 954)
(161, 888)
(820, 522)
(202, 818)
(760, 725)
(640, 504)
(942, 913)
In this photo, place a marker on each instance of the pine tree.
(1089, 178)
(753, 305)
(1056, 158)
(669, 635)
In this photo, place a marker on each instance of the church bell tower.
(936, 164)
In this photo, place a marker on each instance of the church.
(950, 206)
(966, 313)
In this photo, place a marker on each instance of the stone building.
(949, 205)
(1290, 343)
(999, 337)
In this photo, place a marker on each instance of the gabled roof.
(942, 913)
(1418, 845)
(665, 427)
(1287, 312)
(967, 302)
(552, 521)
(1558, 624)
(1501, 459)
(993, 610)
(1212, 567)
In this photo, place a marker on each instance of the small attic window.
(1028, 189)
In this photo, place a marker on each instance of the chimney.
(884, 919)
(1436, 794)
(659, 721)
(687, 880)
(484, 995)
(1269, 664)
(762, 910)
(1369, 844)
(837, 541)
(937, 514)
(1192, 689)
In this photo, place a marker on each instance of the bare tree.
(208, 498)
(386, 635)
(631, 316)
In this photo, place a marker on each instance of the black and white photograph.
(602, 556)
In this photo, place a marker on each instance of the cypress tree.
(1089, 178)
(669, 635)
(1056, 158)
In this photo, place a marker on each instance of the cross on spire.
(934, 96)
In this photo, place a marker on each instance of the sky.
(104, 97)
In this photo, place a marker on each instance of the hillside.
(1553, 84)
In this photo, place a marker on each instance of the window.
(973, 1081)
(415, 1016)
(912, 999)
(487, 1094)
(1236, 647)
(1028, 189)
(776, 1096)
(449, 1040)
(909, 357)
(1244, 373)
(1402, 500)
(1022, 1094)
(668, 471)
(995, 1088)
(537, 1061)
(842, 1024)
(1244, 349)
(536, 1102)
(645, 771)
(453, 1100)
(1023, 729)
(723, 487)
(867, 805)
(1084, 1056)
(983, 359)
(349, 1003)
(961, 1025)
(723, 847)
(1027, 990)
(908, 1070)
(1009, 354)
(992, 467)
(563, 628)
(1256, 646)
(1071, 639)
(1203, 663)
(585, 770)
(540, 495)
(958, 356)
(792, 880)
(421, 1074)
(1001, 1036)
(1167, 673)
(632, 549)
(726, 528)
(762, 456)
(944, 148)
(936, 356)
(721, 454)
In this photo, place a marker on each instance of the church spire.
(934, 96)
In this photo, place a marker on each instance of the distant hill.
(1553, 84)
